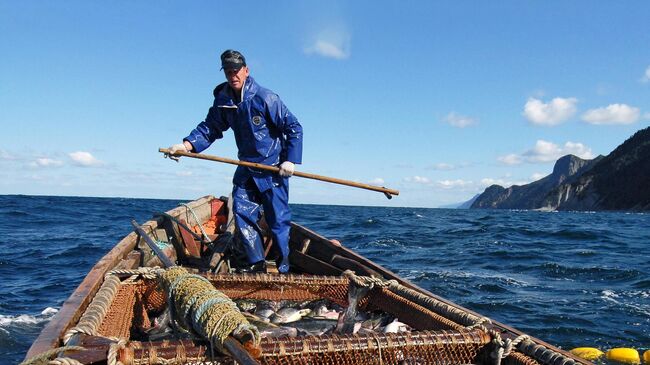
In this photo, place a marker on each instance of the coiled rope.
(203, 310)
(94, 314)
(543, 354)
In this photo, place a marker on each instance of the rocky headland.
(618, 181)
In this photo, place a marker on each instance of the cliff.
(618, 181)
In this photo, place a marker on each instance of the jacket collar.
(226, 97)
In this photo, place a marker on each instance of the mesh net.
(435, 339)
(282, 287)
(408, 312)
(118, 319)
(425, 347)
(517, 358)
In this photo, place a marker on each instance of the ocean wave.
(621, 299)
(22, 319)
(594, 273)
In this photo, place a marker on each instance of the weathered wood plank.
(312, 265)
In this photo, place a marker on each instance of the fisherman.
(266, 132)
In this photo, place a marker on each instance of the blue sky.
(435, 99)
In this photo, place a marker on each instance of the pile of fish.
(292, 319)
(319, 317)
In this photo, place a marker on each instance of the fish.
(308, 326)
(279, 332)
(161, 326)
(288, 315)
(264, 313)
(322, 312)
(246, 305)
(376, 320)
(259, 322)
(396, 326)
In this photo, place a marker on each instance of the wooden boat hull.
(311, 253)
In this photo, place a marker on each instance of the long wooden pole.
(386, 191)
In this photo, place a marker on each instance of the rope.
(197, 222)
(432, 304)
(143, 272)
(544, 355)
(44, 356)
(114, 350)
(381, 362)
(94, 314)
(203, 309)
(503, 348)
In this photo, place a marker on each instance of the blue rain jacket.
(265, 131)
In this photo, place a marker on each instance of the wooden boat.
(109, 315)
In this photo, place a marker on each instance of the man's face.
(236, 78)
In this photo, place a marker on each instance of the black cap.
(232, 59)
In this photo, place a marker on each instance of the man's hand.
(286, 168)
(177, 148)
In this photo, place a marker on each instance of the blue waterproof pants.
(248, 202)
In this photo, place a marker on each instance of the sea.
(569, 278)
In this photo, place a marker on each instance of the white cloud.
(555, 112)
(578, 149)
(460, 121)
(377, 181)
(536, 176)
(418, 180)
(612, 114)
(4, 155)
(46, 162)
(85, 159)
(545, 151)
(511, 159)
(646, 76)
(451, 184)
(488, 181)
(331, 44)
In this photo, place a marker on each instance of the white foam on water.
(44, 316)
(611, 296)
(49, 310)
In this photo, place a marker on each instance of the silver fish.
(279, 332)
(322, 312)
(288, 315)
(395, 327)
(264, 313)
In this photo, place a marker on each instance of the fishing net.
(435, 339)
(282, 287)
(424, 347)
